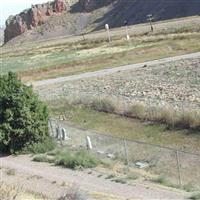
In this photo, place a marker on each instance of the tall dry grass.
(8, 192)
(167, 114)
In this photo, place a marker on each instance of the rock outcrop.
(44, 22)
(33, 17)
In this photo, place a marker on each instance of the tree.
(23, 117)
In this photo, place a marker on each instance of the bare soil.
(52, 182)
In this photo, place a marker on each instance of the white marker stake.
(88, 143)
(128, 38)
(64, 134)
(108, 32)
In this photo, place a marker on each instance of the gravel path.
(114, 70)
(48, 179)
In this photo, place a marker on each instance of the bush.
(195, 196)
(23, 117)
(43, 158)
(69, 159)
(80, 159)
(48, 144)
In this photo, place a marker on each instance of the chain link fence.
(179, 168)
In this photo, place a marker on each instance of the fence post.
(126, 153)
(51, 127)
(178, 168)
(60, 135)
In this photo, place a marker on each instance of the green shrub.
(40, 158)
(195, 196)
(43, 158)
(80, 159)
(162, 180)
(23, 117)
(48, 144)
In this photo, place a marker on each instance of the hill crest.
(66, 17)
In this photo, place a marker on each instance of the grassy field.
(74, 55)
(163, 161)
(128, 128)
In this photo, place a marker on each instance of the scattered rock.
(112, 156)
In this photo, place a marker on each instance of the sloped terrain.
(89, 15)
(136, 11)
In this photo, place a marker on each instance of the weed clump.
(103, 105)
(195, 196)
(69, 159)
(79, 159)
(41, 147)
(43, 158)
(8, 192)
(73, 193)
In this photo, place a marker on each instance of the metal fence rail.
(181, 168)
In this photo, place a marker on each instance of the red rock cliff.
(33, 17)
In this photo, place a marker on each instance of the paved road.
(114, 70)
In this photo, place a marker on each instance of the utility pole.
(150, 20)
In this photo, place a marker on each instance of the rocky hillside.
(65, 17)
(33, 17)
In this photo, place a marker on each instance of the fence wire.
(178, 167)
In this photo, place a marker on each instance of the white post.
(88, 143)
(127, 34)
(108, 32)
(128, 38)
(64, 134)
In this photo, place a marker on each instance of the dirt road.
(114, 70)
(48, 180)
